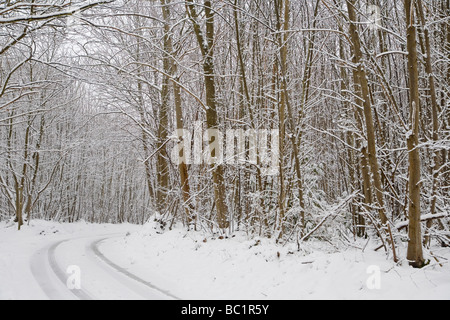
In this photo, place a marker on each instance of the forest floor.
(48, 260)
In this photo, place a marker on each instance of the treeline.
(113, 111)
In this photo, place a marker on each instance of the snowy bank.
(192, 266)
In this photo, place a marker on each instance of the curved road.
(100, 278)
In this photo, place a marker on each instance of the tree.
(363, 90)
(415, 251)
(206, 45)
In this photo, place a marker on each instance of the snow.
(193, 266)
(151, 263)
(424, 217)
(19, 255)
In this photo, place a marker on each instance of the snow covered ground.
(48, 260)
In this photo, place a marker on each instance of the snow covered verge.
(192, 266)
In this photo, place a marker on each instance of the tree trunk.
(415, 251)
(206, 45)
(182, 167)
(282, 106)
(361, 81)
(434, 112)
(163, 133)
(358, 218)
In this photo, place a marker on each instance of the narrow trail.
(99, 277)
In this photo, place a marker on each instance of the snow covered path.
(65, 262)
(100, 279)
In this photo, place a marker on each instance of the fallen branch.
(333, 212)
(317, 227)
(429, 217)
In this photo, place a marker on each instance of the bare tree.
(415, 251)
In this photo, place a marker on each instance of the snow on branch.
(428, 217)
(46, 16)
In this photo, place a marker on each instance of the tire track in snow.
(94, 247)
(50, 277)
(62, 275)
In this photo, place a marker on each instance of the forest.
(284, 119)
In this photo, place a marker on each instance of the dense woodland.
(92, 95)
